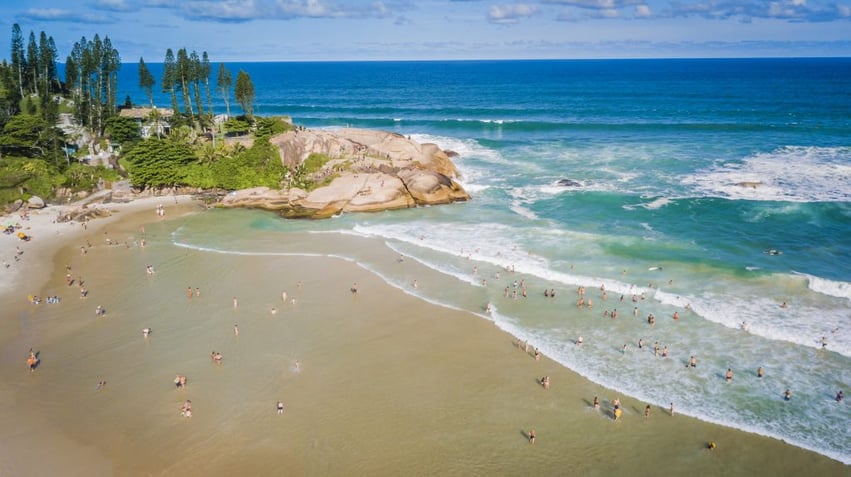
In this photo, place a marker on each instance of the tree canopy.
(245, 93)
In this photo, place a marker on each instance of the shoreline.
(488, 382)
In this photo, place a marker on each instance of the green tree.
(195, 76)
(32, 64)
(245, 93)
(159, 163)
(19, 60)
(123, 130)
(169, 81)
(205, 75)
(24, 135)
(146, 81)
(183, 78)
(224, 83)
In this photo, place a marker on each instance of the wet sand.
(386, 384)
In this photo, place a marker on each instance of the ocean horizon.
(713, 188)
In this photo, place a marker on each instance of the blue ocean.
(719, 189)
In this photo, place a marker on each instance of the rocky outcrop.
(371, 171)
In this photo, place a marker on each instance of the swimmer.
(676, 315)
(579, 341)
(284, 297)
(280, 407)
(784, 305)
(744, 326)
(488, 308)
(197, 292)
(787, 395)
(189, 293)
(823, 342)
(728, 376)
(640, 343)
(274, 311)
(692, 362)
(235, 303)
(235, 329)
(760, 372)
(840, 396)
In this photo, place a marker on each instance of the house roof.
(143, 113)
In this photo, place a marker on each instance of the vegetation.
(37, 157)
(244, 93)
(91, 74)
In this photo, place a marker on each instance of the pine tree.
(205, 75)
(195, 76)
(245, 93)
(223, 83)
(170, 78)
(183, 72)
(19, 60)
(146, 81)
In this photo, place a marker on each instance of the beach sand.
(377, 383)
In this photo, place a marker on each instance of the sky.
(316, 30)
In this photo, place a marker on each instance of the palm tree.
(155, 117)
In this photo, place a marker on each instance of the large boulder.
(372, 171)
(35, 202)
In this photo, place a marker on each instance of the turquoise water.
(659, 148)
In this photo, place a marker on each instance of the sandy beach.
(376, 382)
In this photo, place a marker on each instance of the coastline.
(427, 390)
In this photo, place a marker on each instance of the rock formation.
(366, 171)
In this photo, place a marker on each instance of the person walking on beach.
(646, 411)
(596, 403)
(235, 329)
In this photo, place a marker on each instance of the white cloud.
(642, 11)
(506, 14)
(114, 5)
